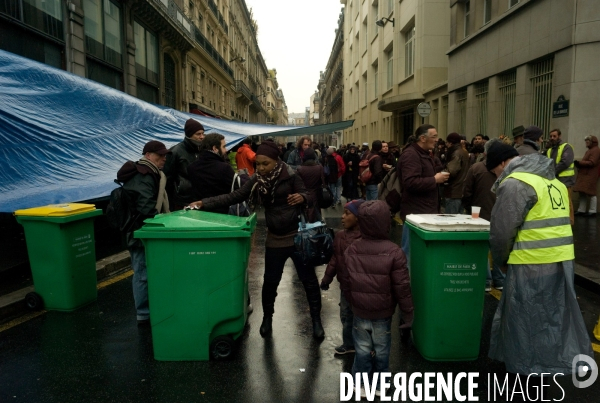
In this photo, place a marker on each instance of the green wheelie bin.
(197, 282)
(448, 265)
(62, 255)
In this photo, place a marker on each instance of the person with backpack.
(145, 184)
(375, 168)
(336, 166)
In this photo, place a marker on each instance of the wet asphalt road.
(98, 354)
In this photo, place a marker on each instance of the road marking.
(115, 279)
(497, 294)
(22, 319)
(31, 315)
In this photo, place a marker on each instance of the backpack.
(119, 213)
(390, 190)
(240, 209)
(364, 172)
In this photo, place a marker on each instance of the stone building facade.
(394, 59)
(196, 55)
(525, 62)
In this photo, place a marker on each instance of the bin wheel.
(34, 301)
(222, 347)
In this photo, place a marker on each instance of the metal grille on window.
(461, 108)
(541, 94)
(508, 96)
(481, 94)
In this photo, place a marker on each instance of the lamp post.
(381, 22)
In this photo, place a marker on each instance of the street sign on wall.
(424, 109)
(560, 108)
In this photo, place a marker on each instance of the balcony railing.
(243, 89)
(215, 10)
(256, 103)
(179, 19)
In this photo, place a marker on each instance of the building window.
(512, 3)
(433, 118)
(146, 54)
(365, 90)
(409, 52)
(103, 31)
(508, 96)
(408, 123)
(443, 118)
(375, 81)
(390, 6)
(45, 16)
(390, 68)
(461, 110)
(541, 93)
(481, 97)
(467, 17)
(487, 11)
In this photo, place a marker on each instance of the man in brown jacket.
(419, 178)
(587, 177)
(458, 165)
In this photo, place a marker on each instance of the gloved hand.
(576, 163)
(324, 286)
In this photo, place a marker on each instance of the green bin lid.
(194, 220)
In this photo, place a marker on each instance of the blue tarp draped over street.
(63, 137)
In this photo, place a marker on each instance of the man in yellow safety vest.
(563, 156)
(538, 327)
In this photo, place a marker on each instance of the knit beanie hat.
(309, 154)
(191, 127)
(497, 153)
(268, 148)
(533, 133)
(353, 206)
(453, 138)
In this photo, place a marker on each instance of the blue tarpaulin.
(64, 137)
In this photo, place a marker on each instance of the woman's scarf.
(268, 182)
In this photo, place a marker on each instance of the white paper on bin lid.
(448, 222)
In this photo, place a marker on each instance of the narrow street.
(98, 354)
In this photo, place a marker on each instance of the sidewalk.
(587, 261)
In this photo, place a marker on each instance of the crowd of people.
(531, 242)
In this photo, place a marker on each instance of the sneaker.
(498, 286)
(488, 286)
(377, 393)
(344, 350)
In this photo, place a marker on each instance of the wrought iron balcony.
(242, 88)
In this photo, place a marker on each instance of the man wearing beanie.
(179, 187)
(458, 166)
(478, 192)
(538, 325)
(532, 139)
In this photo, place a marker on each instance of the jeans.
(453, 206)
(347, 318)
(336, 190)
(372, 335)
(140, 282)
(371, 191)
(496, 274)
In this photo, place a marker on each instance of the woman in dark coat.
(313, 177)
(351, 159)
(281, 191)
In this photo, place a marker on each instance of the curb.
(14, 303)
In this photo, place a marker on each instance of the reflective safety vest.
(546, 235)
(570, 171)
